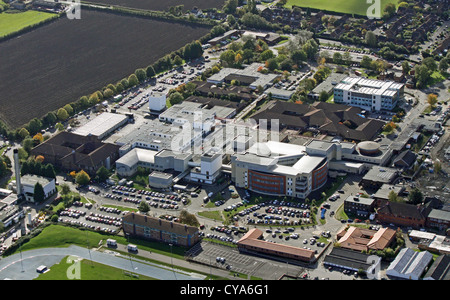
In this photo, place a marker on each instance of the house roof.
(406, 158)
(401, 210)
(252, 238)
(360, 239)
(440, 270)
(326, 117)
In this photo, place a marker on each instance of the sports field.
(358, 7)
(12, 22)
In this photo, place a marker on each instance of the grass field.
(89, 270)
(12, 22)
(358, 7)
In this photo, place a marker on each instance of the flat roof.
(101, 124)
(369, 86)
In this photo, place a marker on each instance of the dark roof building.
(405, 159)
(73, 152)
(348, 260)
(333, 119)
(403, 214)
(440, 269)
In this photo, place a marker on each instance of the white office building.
(368, 94)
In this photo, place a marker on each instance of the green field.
(12, 22)
(89, 270)
(358, 7)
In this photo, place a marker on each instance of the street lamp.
(171, 260)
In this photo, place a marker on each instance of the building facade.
(157, 229)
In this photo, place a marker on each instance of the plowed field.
(57, 63)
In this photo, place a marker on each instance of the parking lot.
(231, 259)
(94, 217)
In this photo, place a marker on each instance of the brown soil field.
(57, 63)
(163, 5)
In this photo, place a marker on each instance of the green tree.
(175, 98)
(415, 196)
(272, 64)
(62, 114)
(133, 80)
(443, 65)
(141, 75)
(323, 96)
(23, 132)
(69, 109)
(371, 39)
(102, 174)
(405, 67)
(39, 194)
(144, 207)
(150, 72)
(65, 189)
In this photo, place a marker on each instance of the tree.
(389, 10)
(62, 114)
(393, 197)
(102, 174)
(432, 99)
(366, 62)
(430, 63)
(177, 60)
(299, 56)
(65, 189)
(69, 109)
(415, 196)
(323, 96)
(140, 74)
(266, 55)
(443, 65)
(108, 93)
(150, 72)
(133, 80)
(337, 58)
(406, 67)
(144, 207)
(82, 178)
(23, 132)
(371, 39)
(272, 64)
(175, 98)
(39, 194)
(188, 218)
(422, 75)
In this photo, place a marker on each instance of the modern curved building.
(279, 169)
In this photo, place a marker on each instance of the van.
(111, 243)
(206, 199)
(132, 248)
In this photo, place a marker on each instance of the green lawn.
(88, 270)
(12, 22)
(358, 7)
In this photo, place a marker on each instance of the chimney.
(17, 171)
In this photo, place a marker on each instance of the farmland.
(163, 5)
(12, 22)
(358, 7)
(59, 62)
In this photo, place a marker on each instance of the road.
(22, 266)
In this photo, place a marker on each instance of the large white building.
(28, 183)
(368, 94)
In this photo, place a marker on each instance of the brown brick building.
(151, 228)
